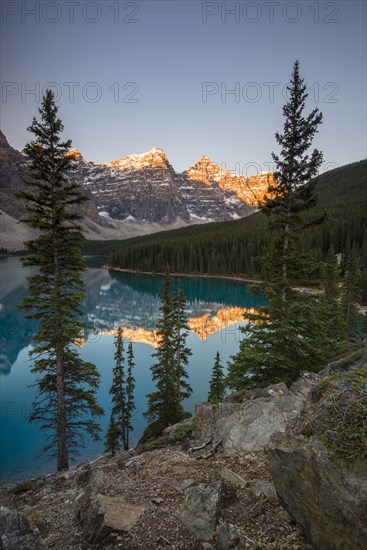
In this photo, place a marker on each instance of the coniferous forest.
(236, 248)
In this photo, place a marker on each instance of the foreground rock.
(104, 517)
(258, 487)
(16, 532)
(319, 465)
(328, 499)
(202, 509)
(230, 537)
(248, 425)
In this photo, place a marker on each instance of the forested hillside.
(236, 247)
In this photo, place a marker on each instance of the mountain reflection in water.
(215, 310)
(122, 299)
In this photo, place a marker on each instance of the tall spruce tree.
(183, 352)
(65, 402)
(279, 343)
(164, 404)
(112, 440)
(351, 294)
(217, 382)
(118, 391)
(130, 386)
(329, 330)
(122, 392)
(331, 276)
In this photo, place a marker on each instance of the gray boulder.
(96, 476)
(232, 477)
(16, 532)
(258, 487)
(202, 507)
(261, 487)
(328, 499)
(248, 426)
(230, 537)
(102, 517)
(209, 418)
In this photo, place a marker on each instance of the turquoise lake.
(215, 310)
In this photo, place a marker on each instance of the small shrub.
(23, 487)
(350, 359)
(183, 433)
(339, 419)
(152, 431)
(152, 444)
(59, 481)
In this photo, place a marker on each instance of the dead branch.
(200, 447)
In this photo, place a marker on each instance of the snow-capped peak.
(75, 153)
(205, 170)
(155, 157)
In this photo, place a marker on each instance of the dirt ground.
(163, 474)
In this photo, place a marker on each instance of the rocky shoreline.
(188, 275)
(306, 290)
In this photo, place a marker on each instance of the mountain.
(12, 173)
(249, 190)
(145, 188)
(135, 188)
(135, 195)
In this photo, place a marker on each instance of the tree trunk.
(347, 318)
(285, 261)
(62, 451)
(123, 420)
(178, 360)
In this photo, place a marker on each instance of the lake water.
(215, 311)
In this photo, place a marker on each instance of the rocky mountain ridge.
(145, 187)
(250, 190)
(141, 193)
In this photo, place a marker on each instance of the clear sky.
(135, 75)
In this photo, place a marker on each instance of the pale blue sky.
(169, 52)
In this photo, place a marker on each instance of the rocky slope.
(229, 484)
(137, 194)
(138, 502)
(12, 173)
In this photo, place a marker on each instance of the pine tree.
(112, 440)
(130, 386)
(117, 390)
(217, 382)
(331, 276)
(291, 192)
(351, 294)
(278, 343)
(328, 330)
(164, 404)
(65, 402)
(183, 353)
